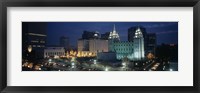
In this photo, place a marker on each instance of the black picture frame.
(101, 3)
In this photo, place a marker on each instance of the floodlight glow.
(106, 69)
(73, 64)
(124, 64)
(95, 61)
(50, 60)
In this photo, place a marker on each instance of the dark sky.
(167, 32)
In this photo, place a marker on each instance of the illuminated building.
(98, 45)
(138, 45)
(54, 52)
(132, 30)
(114, 36)
(123, 49)
(131, 34)
(93, 45)
(83, 45)
(133, 50)
(34, 37)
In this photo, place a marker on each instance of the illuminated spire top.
(138, 33)
(114, 28)
(114, 35)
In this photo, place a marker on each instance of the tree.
(150, 56)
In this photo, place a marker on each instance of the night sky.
(167, 32)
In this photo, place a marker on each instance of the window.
(34, 45)
(34, 41)
(42, 41)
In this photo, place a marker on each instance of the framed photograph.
(100, 46)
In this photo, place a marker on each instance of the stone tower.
(138, 45)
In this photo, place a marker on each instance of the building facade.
(54, 52)
(138, 45)
(113, 38)
(133, 50)
(123, 49)
(98, 45)
(83, 45)
(34, 37)
(131, 34)
(93, 45)
(132, 30)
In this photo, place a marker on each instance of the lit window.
(34, 41)
(42, 41)
(35, 34)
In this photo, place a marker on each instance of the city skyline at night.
(167, 32)
(100, 46)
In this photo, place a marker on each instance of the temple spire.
(114, 28)
(114, 35)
